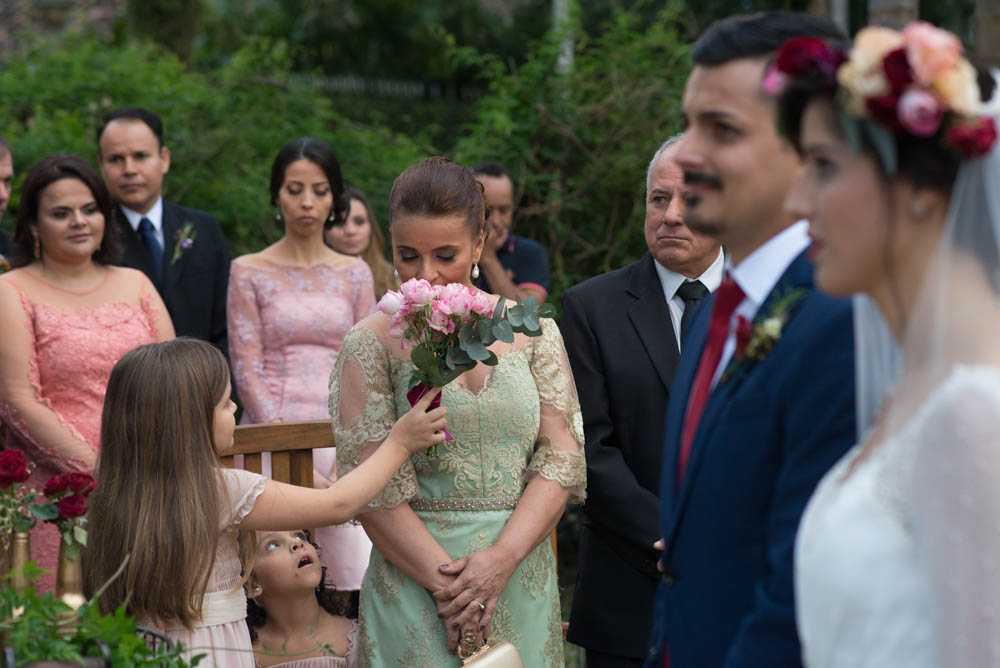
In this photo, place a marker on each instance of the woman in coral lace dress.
(290, 307)
(68, 317)
(492, 495)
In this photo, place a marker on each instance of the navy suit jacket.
(194, 287)
(766, 437)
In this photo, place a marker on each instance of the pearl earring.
(277, 215)
(918, 209)
(475, 271)
(395, 274)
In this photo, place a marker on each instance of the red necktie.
(727, 298)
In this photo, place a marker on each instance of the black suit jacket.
(623, 352)
(194, 287)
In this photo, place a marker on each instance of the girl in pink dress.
(68, 316)
(295, 621)
(166, 507)
(289, 308)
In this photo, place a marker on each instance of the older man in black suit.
(623, 332)
(182, 250)
(6, 178)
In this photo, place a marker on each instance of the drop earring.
(395, 274)
(475, 271)
(918, 209)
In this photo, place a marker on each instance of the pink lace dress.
(72, 354)
(286, 326)
(222, 633)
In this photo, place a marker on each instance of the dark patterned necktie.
(153, 247)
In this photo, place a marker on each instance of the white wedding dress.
(898, 565)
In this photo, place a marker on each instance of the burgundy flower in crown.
(803, 58)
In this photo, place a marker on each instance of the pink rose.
(440, 319)
(418, 291)
(930, 50)
(390, 303)
(482, 305)
(920, 112)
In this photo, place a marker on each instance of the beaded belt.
(474, 504)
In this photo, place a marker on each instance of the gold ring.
(481, 606)
(469, 638)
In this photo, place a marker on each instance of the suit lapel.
(798, 275)
(650, 316)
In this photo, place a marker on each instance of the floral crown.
(893, 83)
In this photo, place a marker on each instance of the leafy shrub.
(578, 144)
(223, 127)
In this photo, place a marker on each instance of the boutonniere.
(754, 341)
(4, 264)
(185, 239)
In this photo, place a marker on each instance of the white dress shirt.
(711, 278)
(155, 215)
(757, 275)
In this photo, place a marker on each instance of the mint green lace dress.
(523, 420)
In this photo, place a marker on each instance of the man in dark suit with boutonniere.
(623, 333)
(762, 403)
(182, 250)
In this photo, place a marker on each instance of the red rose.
(883, 110)
(897, 70)
(56, 485)
(13, 468)
(81, 483)
(744, 330)
(807, 57)
(71, 507)
(973, 139)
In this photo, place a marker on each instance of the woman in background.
(289, 308)
(68, 316)
(361, 236)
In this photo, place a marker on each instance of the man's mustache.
(702, 178)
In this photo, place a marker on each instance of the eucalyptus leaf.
(478, 351)
(502, 330)
(492, 360)
(852, 132)
(498, 311)
(457, 357)
(529, 303)
(485, 331)
(466, 333)
(546, 310)
(515, 316)
(80, 534)
(531, 321)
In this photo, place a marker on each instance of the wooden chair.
(291, 445)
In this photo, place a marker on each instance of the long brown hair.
(159, 496)
(374, 253)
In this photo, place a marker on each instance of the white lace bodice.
(899, 564)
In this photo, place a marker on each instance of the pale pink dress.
(74, 350)
(286, 326)
(350, 660)
(226, 642)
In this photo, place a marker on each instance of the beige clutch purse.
(501, 655)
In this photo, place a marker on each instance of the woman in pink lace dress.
(68, 317)
(290, 307)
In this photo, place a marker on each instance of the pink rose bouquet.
(448, 330)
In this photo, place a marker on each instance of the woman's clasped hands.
(467, 604)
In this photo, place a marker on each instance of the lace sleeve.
(363, 412)
(23, 408)
(559, 450)
(952, 496)
(246, 346)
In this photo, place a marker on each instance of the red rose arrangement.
(915, 81)
(14, 470)
(67, 494)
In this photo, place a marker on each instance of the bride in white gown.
(898, 553)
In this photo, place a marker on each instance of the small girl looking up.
(165, 500)
(295, 621)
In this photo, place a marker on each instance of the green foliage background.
(223, 127)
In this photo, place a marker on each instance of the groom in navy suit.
(762, 403)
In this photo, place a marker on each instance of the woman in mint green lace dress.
(484, 506)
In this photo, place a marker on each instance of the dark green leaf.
(884, 143)
(45, 512)
(502, 330)
(465, 333)
(498, 311)
(546, 310)
(423, 358)
(457, 357)
(492, 360)
(485, 327)
(478, 351)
